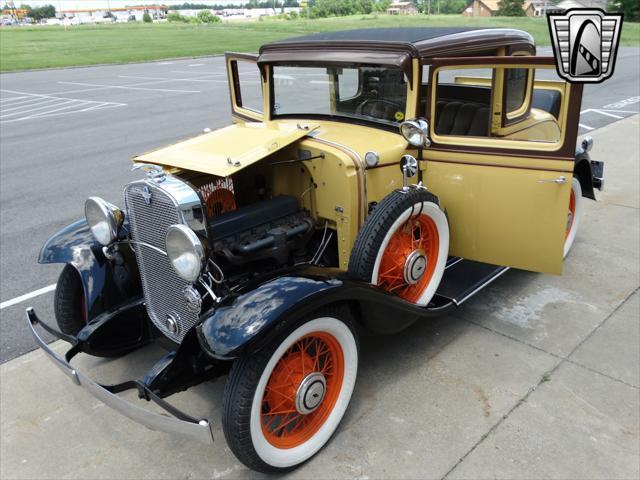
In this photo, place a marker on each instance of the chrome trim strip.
(200, 431)
(453, 262)
(148, 245)
(499, 274)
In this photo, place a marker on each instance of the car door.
(501, 160)
(246, 87)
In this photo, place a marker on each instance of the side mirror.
(416, 132)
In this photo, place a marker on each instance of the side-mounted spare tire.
(403, 246)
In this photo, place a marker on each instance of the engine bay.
(260, 220)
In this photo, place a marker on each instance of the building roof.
(118, 9)
(492, 5)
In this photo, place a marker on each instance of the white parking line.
(125, 87)
(199, 73)
(21, 100)
(27, 296)
(43, 106)
(196, 65)
(586, 127)
(601, 112)
(38, 101)
(161, 79)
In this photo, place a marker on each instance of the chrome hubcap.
(414, 267)
(310, 393)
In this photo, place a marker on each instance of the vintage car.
(371, 178)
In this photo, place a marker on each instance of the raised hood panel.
(230, 149)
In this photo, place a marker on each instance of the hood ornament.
(154, 173)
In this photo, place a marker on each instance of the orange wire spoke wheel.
(302, 390)
(571, 213)
(409, 260)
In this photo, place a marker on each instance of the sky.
(87, 4)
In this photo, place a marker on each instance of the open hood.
(230, 149)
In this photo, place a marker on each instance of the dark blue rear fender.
(106, 283)
(251, 316)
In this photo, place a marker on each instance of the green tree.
(205, 16)
(630, 9)
(146, 18)
(511, 8)
(381, 5)
(46, 11)
(450, 6)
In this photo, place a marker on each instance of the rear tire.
(573, 215)
(403, 246)
(68, 302)
(265, 418)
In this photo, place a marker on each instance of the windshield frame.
(346, 118)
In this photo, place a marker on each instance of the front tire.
(68, 303)
(282, 405)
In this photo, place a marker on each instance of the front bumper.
(174, 421)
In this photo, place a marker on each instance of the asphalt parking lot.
(536, 377)
(67, 134)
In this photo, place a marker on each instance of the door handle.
(560, 180)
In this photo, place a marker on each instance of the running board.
(464, 278)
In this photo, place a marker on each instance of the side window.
(248, 79)
(463, 102)
(498, 104)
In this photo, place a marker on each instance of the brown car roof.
(391, 46)
(417, 41)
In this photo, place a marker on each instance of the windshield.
(362, 92)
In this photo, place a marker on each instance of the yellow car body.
(504, 202)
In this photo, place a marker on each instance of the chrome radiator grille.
(162, 287)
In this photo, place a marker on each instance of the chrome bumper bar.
(175, 422)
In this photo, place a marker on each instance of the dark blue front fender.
(250, 316)
(106, 283)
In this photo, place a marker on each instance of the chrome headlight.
(416, 132)
(104, 219)
(185, 252)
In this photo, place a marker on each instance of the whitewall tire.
(282, 405)
(574, 213)
(404, 245)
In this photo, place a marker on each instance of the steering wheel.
(387, 111)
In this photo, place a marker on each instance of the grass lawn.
(24, 48)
